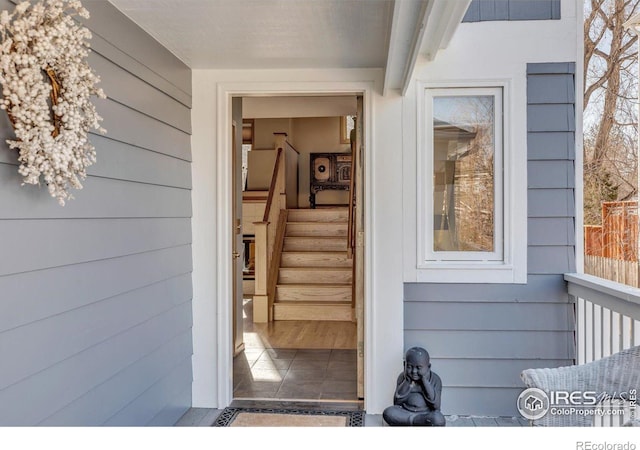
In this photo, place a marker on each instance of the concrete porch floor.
(204, 417)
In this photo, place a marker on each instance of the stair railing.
(269, 237)
(351, 227)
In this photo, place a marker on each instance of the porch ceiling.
(294, 34)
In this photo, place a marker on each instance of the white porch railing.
(607, 315)
(607, 318)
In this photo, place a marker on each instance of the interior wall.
(317, 135)
(308, 135)
(264, 129)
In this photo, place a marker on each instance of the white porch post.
(633, 24)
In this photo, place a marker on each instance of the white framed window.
(467, 188)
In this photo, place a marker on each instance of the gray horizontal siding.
(551, 174)
(486, 401)
(493, 10)
(41, 395)
(99, 198)
(551, 231)
(136, 380)
(539, 289)
(96, 309)
(124, 236)
(54, 339)
(76, 286)
(486, 316)
(481, 336)
(127, 89)
(147, 133)
(493, 345)
(114, 27)
(498, 372)
(550, 146)
(550, 202)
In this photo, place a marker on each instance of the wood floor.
(298, 334)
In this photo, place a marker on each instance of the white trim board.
(212, 359)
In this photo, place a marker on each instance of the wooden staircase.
(315, 274)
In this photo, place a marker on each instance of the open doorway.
(305, 347)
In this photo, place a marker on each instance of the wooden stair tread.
(308, 261)
(315, 303)
(328, 252)
(325, 215)
(311, 292)
(338, 311)
(313, 285)
(317, 269)
(315, 273)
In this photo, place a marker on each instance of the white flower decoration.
(46, 90)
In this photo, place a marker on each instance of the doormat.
(271, 417)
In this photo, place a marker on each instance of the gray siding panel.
(551, 117)
(552, 231)
(486, 401)
(551, 202)
(122, 59)
(493, 10)
(56, 338)
(124, 87)
(551, 145)
(551, 259)
(173, 410)
(483, 373)
(493, 344)
(112, 25)
(138, 412)
(549, 89)
(539, 289)
(121, 161)
(96, 296)
(497, 9)
(76, 286)
(99, 198)
(481, 336)
(547, 69)
(532, 10)
(87, 370)
(136, 378)
(117, 237)
(550, 174)
(486, 316)
(148, 132)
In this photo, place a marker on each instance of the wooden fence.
(617, 237)
(618, 270)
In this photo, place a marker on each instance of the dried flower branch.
(46, 91)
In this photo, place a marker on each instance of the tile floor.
(300, 374)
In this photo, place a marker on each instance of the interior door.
(238, 242)
(358, 275)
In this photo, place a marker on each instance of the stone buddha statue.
(416, 401)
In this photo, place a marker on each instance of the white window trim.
(511, 268)
(459, 256)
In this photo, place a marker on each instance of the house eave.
(436, 25)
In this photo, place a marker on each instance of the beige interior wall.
(317, 135)
(260, 164)
(264, 129)
(308, 135)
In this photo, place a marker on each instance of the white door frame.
(224, 237)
